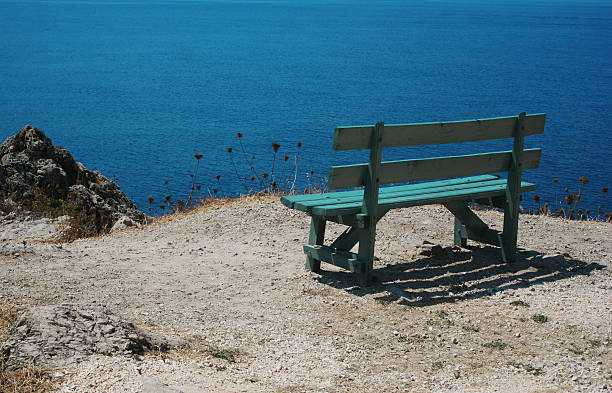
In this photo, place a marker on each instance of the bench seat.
(425, 193)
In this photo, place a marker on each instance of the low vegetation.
(228, 355)
(527, 367)
(539, 318)
(496, 344)
(282, 179)
(567, 203)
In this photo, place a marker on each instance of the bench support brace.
(316, 237)
(469, 226)
(344, 259)
(338, 252)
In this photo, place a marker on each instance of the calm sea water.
(135, 88)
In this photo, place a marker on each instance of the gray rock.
(429, 249)
(38, 177)
(151, 385)
(57, 336)
(548, 262)
(32, 229)
(123, 223)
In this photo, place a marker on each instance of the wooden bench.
(451, 181)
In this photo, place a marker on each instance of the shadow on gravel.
(459, 275)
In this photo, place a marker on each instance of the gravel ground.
(230, 280)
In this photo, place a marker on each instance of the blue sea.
(134, 89)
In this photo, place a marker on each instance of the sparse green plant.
(471, 328)
(527, 367)
(437, 365)
(575, 350)
(514, 364)
(226, 354)
(534, 370)
(539, 318)
(595, 343)
(495, 344)
(442, 314)
(519, 303)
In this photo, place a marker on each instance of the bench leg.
(510, 234)
(367, 239)
(316, 237)
(513, 194)
(461, 235)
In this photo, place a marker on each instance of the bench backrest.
(396, 135)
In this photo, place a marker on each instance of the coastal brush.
(279, 182)
(275, 147)
(250, 162)
(229, 151)
(195, 174)
(218, 177)
(297, 155)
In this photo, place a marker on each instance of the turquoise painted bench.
(450, 181)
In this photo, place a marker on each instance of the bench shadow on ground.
(458, 275)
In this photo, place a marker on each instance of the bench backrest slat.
(397, 135)
(430, 168)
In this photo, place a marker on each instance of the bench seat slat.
(307, 206)
(290, 201)
(422, 199)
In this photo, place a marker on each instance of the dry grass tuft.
(199, 349)
(8, 314)
(29, 379)
(217, 203)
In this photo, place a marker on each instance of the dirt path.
(232, 280)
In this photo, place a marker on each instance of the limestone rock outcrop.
(39, 177)
(57, 336)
